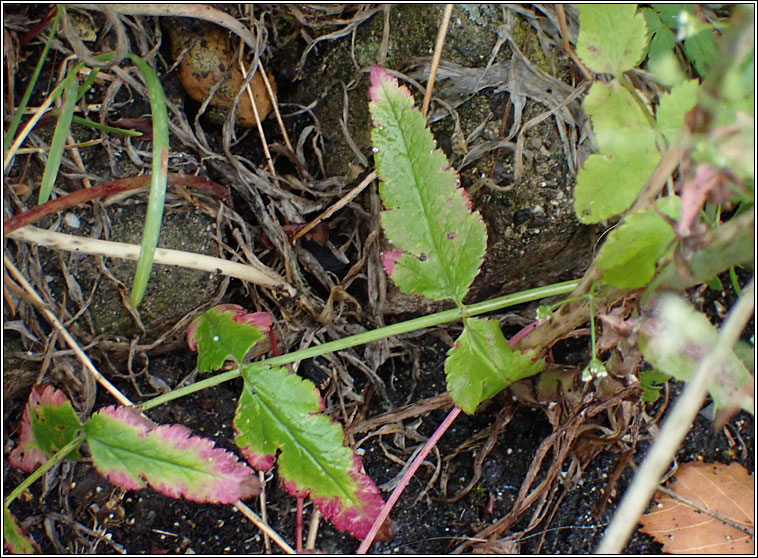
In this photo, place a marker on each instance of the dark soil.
(73, 509)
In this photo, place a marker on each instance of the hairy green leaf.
(281, 411)
(440, 242)
(674, 106)
(610, 180)
(16, 540)
(481, 364)
(629, 255)
(619, 124)
(129, 449)
(608, 184)
(677, 337)
(612, 37)
(226, 331)
(48, 424)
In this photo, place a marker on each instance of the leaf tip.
(377, 75)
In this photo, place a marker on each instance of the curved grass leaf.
(48, 424)
(225, 331)
(129, 449)
(440, 242)
(62, 128)
(155, 202)
(19, 112)
(612, 37)
(16, 540)
(629, 255)
(281, 411)
(481, 364)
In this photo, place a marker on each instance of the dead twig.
(260, 274)
(436, 57)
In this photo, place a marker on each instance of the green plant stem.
(60, 455)
(591, 300)
(375, 335)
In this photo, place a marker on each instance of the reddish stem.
(108, 189)
(34, 31)
(523, 333)
(272, 339)
(299, 526)
(430, 443)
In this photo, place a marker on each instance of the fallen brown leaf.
(725, 490)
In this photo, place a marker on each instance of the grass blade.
(154, 216)
(62, 129)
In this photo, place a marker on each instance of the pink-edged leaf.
(16, 540)
(48, 424)
(439, 241)
(279, 411)
(226, 331)
(482, 364)
(129, 449)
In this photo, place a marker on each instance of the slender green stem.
(377, 334)
(60, 455)
(591, 299)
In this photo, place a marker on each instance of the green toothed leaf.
(676, 338)
(610, 180)
(674, 106)
(129, 449)
(482, 364)
(629, 255)
(282, 412)
(48, 424)
(16, 540)
(439, 241)
(612, 37)
(225, 331)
